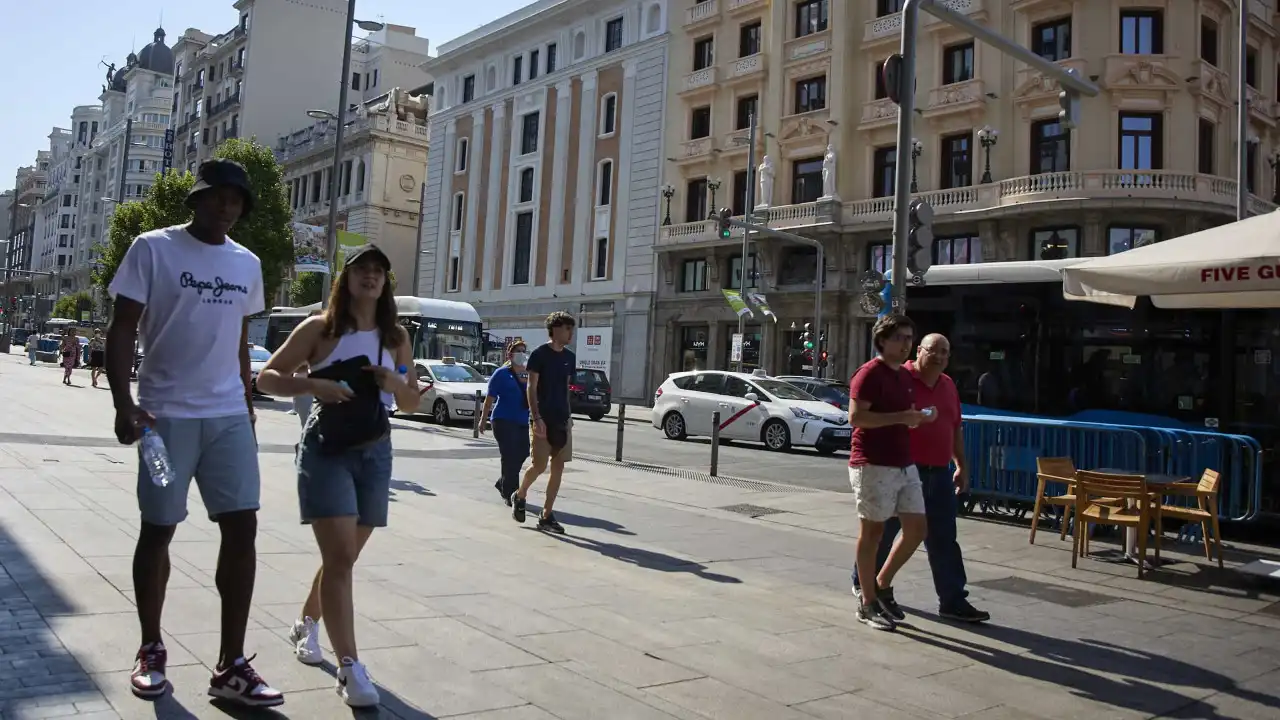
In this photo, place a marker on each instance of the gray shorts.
(353, 483)
(220, 453)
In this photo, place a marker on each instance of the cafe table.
(1154, 480)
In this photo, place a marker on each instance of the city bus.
(1018, 345)
(438, 328)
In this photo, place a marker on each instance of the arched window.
(491, 79)
(579, 45)
(653, 19)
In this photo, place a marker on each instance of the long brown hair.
(338, 320)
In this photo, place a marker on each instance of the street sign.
(735, 351)
(872, 282)
(891, 76)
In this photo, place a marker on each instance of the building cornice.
(493, 33)
(557, 79)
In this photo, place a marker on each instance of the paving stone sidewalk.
(670, 597)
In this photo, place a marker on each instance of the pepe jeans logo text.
(217, 289)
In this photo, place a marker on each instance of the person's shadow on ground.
(1098, 670)
(647, 559)
(583, 521)
(410, 487)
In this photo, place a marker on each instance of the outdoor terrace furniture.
(1205, 512)
(1054, 470)
(1112, 499)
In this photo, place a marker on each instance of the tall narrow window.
(1050, 147)
(517, 70)
(957, 63)
(1141, 141)
(529, 134)
(811, 94)
(609, 114)
(551, 58)
(1208, 40)
(1205, 141)
(957, 161)
(749, 39)
(884, 165)
(525, 191)
(1141, 32)
(703, 53)
(459, 208)
(806, 181)
(1051, 40)
(695, 200)
(748, 105)
(740, 185)
(605, 184)
(533, 64)
(455, 266)
(464, 148)
(468, 88)
(523, 250)
(613, 35)
(600, 265)
(700, 123)
(812, 17)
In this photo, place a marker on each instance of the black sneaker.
(517, 508)
(506, 497)
(874, 616)
(240, 683)
(884, 598)
(549, 524)
(962, 611)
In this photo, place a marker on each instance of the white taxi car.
(753, 407)
(258, 357)
(449, 389)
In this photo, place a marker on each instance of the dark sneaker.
(505, 496)
(964, 612)
(147, 679)
(240, 683)
(549, 524)
(517, 508)
(884, 598)
(874, 616)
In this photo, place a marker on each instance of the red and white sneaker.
(240, 683)
(147, 679)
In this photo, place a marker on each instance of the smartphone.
(927, 412)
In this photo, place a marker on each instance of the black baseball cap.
(370, 252)
(222, 173)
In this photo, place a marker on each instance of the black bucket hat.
(222, 173)
(371, 252)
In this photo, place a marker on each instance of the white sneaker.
(305, 637)
(354, 685)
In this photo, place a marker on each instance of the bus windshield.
(435, 339)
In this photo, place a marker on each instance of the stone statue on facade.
(111, 73)
(766, 183)
(829, 172)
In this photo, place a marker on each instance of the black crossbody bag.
(360, 421)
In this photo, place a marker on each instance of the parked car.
(754, 407)
(258, 357)
(590, 393)
(825, 389)
(449, 389)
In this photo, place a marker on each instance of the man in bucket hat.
(190, 289)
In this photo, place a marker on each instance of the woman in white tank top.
(344, 487)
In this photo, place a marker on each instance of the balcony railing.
(1109, 187)
(702, 12)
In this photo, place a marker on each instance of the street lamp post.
(668, 192)
(713, 185)
(917, 149)
(988, 137)
(344, 83)
(746, 237)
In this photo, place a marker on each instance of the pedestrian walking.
(934, 446)
(508, 399)
(33, 346)
(885, 483)
(551, 366)
(97, 356)
(70, 354)
(191, 289)
(354, 351)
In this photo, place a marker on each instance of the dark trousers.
(945, 560)
(513, 446)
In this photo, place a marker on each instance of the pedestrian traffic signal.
(920, 238)
(807, 337)
(723, 219)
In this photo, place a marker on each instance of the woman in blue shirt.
(508, 398)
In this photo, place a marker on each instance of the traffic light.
(920, 238)
(723, 220)
(807, 338)
(1068, 109)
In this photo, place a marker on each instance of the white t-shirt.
(197, 297)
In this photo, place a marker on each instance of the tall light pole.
(746, 236)
(344, 82)
(1242, 116)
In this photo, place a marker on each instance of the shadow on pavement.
(37, 669)
(1097, 670)
(410, 487)
(589, 522)
(647, 559)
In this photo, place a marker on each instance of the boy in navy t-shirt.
(551, 366)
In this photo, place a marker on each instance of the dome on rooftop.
(157, 56)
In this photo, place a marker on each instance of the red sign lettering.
(1238, 273)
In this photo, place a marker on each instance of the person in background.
(508, 398)
(70, 354)
(934, 446)
(33, 346)
(344, 463)
(97, 356)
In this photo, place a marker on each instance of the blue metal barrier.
(1002, 452)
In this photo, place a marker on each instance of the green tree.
(307, 288)
(268, 230)
(69, 306)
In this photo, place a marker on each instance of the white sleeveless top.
(355, 344)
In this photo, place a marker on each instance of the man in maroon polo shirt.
(885, 483)
(934, 446)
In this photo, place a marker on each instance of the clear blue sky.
(50, 51)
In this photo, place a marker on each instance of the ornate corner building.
(543, 175)
(1152, 159)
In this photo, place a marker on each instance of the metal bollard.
(715, 443)
(622, 419)
(475, 421)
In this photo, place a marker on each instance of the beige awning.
(1230, 266)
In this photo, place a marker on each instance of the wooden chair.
(1122, 500)
(1055, 470)
(1206, 511)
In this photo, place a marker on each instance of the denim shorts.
(356, 482)
(221, 454)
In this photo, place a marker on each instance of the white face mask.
(520, 359)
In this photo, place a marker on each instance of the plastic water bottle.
(156, 458)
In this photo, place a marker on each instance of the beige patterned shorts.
(883, 492)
